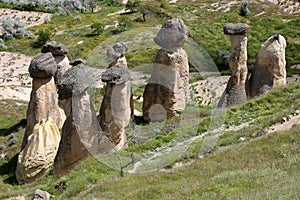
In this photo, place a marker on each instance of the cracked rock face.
(117, 50)
(236, 29)
(44, 118)
(56, 48)
(116, 108)
(270, 67)
(117, 54)
(173, 33)
(167, 89)
(76, 80)
(81, 132)
(235, 92)
(42, 66)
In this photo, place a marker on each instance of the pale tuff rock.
(116, 108)
(81, 133)
(235, 92)
(41, 195)
(43, 120)
(270, 67)
(117, 54)
(39, 153)
(167, 89)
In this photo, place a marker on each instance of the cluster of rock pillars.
(60, 99)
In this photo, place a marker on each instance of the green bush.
(44, 35)
(97, 27)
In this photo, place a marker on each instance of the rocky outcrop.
(115, 112)
(167, 89)
(81, 133)
(235, 92)
(117, 54)
(41, 195)
(59, 52)
(39, 153)
(270, 67)
(44, 118)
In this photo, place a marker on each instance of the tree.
(244, 10)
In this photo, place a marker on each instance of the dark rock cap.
(236, 29)
(43, 65)
(117, 50)
(56, 48)
(116, 75)
(173, 33)
(76, 80)
(77, 62)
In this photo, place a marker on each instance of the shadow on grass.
(8, 170)
(15, 128)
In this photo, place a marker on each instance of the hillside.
(262, 165)
(251, 151)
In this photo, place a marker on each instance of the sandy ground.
(15, 82)
(28, 18)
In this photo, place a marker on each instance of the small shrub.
(2, 44)
(223, 57)
(44, 36)
(13, 28)
(97, 27)
(47, 20)
(78, 18)
(133, 6)
(244, 10)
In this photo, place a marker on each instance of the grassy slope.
(205, 27)
(257, 169)
(264, 167)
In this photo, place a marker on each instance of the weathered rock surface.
(167, 89)
(39, 153)
(59, 52)
(42, 105)
(117, 50)
(236, 29)
(81, 133)
(42, 66)
(270, 67)
(56, 48)
(117, 54)
(41, 195)
(115, 112)
(235, 92)
(173, 33)
(41, 137)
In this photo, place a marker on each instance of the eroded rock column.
(42, 136)
(270, 67)
(81, 132)
(115, 112)
(167, 89)
(117, 54)
(59, 52)
(235, 92)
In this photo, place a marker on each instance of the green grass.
(205, 27)
(262, 167)
(258, 169)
